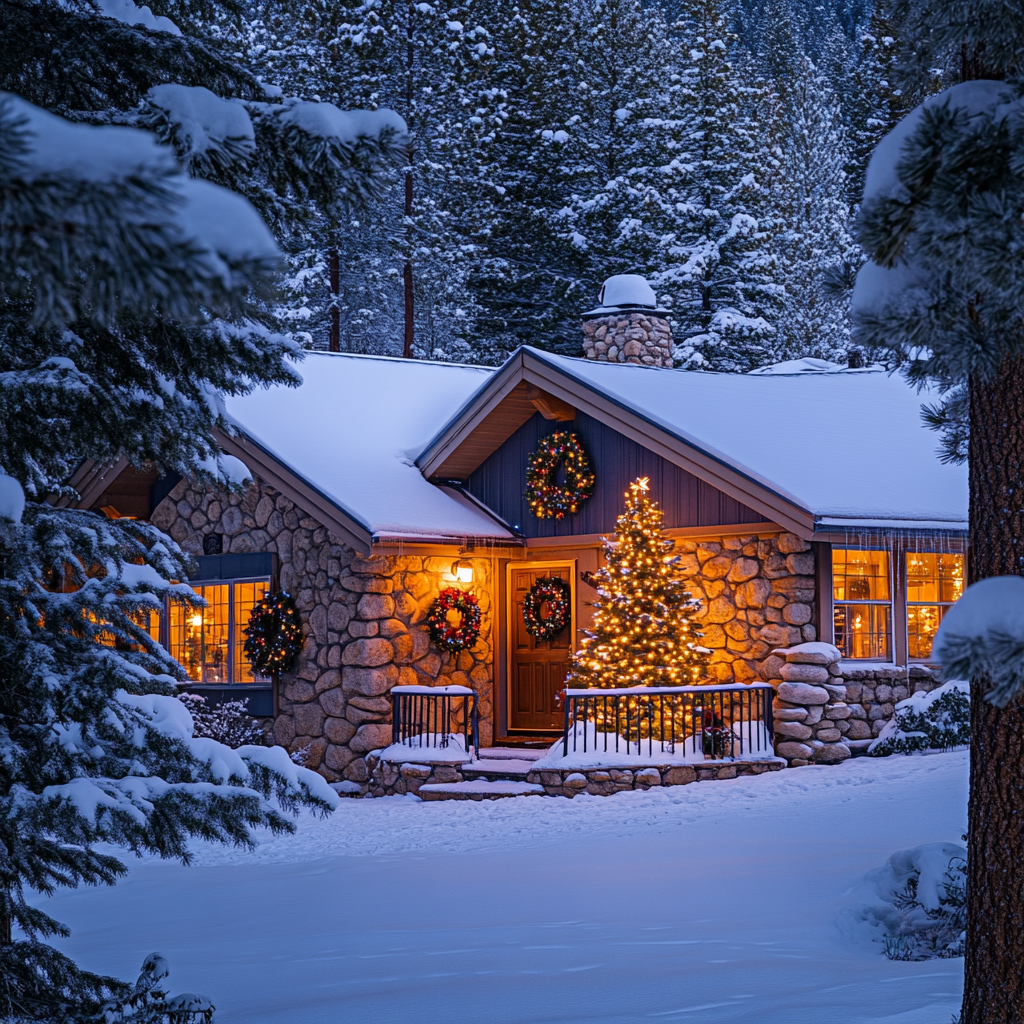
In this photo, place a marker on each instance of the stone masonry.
(872, 693)
(363, 618)
(757, 594)
(811, 715)
(628, 337)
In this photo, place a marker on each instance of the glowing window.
(207, 642)
(862, 603)
(934, 583)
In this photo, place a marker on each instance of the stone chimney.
(627, 326)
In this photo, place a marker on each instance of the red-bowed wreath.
(546, 499)
(450, 637)
(552, 591)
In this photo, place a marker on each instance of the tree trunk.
(993, 979)
(334, 261)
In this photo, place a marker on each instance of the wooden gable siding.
(688, 501)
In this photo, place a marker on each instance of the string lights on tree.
(644, 631)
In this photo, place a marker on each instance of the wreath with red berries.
(447, 635)
(546, 499)
(553, 592)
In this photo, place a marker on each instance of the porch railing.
(683, 723)
(435, 717)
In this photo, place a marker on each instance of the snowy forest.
(718, 150)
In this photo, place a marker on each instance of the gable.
(686, 500)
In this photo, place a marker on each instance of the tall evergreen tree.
(943, 297)
(810, 196)
(131, 300)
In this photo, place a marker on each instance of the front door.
(537, 669)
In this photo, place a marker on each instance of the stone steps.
(478, 789)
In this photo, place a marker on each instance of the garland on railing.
(273, 636)
(552, 591)
(450, 637)
(546, 499)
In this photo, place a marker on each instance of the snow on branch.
(982, 638)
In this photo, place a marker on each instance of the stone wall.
(628, 337)
(757, 594)
(606, 781)
(363, 620)
(873, 693)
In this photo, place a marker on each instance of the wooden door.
(537, 670)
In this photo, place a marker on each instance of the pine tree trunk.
(994, 981)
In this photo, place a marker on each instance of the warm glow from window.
(208, 642)
(862, 595)
(934, 582)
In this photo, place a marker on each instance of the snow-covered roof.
(352, 431)
(851, 448)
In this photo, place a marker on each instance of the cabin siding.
(686, 500)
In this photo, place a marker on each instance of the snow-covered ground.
(714, 902)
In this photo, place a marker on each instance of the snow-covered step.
(491, 768)
(510, 754)
(477, 789)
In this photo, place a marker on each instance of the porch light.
(462, 571)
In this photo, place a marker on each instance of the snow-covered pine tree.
(876, 102)
(644, 631)
(718, 273)
(814, 236)
(942, 297)
(432, 64)
(529, 276)
(127, 307)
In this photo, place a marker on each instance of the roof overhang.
(501, 406)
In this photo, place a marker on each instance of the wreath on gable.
(454, 636)
(546, 499)
(550, 593)
(273, 636)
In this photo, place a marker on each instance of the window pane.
(860, 575)
(933, 577)
(199, 637)
(246, 595)
(862, 630)
(922, 622)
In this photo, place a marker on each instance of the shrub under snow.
(940, 720)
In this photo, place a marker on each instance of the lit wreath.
(273, 636)
(545, 498)
(454, 638)
(553, 591)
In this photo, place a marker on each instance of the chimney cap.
(624, 292)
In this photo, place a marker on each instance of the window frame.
(233, 643)
(905, 554)
(889, 603)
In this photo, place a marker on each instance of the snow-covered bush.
(229, 723)
(940, 720)
(915, 905)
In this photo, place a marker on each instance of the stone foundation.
(872, 694)
(606, 781)
(388, 779)
(628, 337)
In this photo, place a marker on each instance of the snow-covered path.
(707, 903)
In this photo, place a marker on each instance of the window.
(208, 641)
(862, 603)
(934, 582)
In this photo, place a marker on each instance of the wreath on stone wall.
(273, 636)
(553, 593)
(454, 636)
(546, 499)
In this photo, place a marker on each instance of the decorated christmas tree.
(644, 632)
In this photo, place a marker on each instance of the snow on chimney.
(627, 326)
